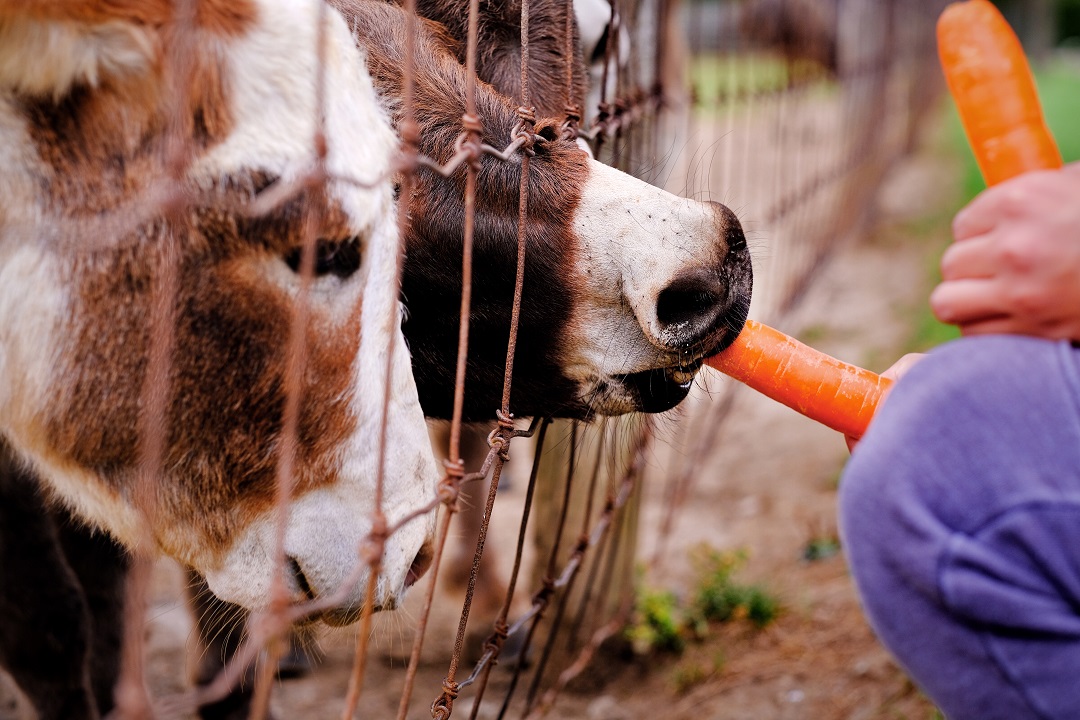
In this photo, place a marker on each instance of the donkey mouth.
(661, 389)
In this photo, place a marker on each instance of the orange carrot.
(834, 393)
(989, 77)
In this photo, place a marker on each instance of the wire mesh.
(799, 131)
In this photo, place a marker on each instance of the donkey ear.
(47, 48)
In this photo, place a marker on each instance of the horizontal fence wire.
(795, 138)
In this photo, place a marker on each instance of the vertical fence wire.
(133, 701)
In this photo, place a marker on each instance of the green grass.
(664, 622)
(1059, 88)
(743, 74)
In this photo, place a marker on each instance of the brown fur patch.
(102, 146)
(498, 60)
(227, 371)
(224, 17)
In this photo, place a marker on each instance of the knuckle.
(1028, 301)
(1017, 253)
(1015, 200)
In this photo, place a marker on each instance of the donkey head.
(627, 287)
(134, 145)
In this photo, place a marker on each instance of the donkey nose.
(420, 563)
(691, 303)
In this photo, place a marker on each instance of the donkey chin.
(325, 559)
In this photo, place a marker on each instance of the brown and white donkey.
(627, 288)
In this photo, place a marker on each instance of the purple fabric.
(960, 517)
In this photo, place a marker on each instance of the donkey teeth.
(680, 376)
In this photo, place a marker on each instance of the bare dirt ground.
(768, 489)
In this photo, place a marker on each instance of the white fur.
(49, 57)
(635, 239)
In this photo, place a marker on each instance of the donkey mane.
(498, 59)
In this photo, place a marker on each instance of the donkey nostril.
(420, 563)
(299, 578)
(692, 297)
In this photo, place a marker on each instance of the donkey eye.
(340, 258)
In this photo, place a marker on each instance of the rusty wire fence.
(794, 128)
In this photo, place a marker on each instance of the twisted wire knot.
(455, 470)
(506, 420)
(523, 131)
(568, 130)
(444, 704)
(469, 141)
(527, 114)
(543, 595)
(496, 439)
(496, 640)
(471, 123)
(449, 488)
(500, 436)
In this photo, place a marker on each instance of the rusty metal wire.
(806, 201)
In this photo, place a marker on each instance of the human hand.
(1015, 265)
(898, 369)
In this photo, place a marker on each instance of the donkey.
(627, 287)
(99, 102)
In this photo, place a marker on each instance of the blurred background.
(699, 569)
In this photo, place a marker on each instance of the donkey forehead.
(297, 74)
(266, 82)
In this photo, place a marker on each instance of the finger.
(980, 216)
(1015, 325)
(898, 368)
(997, 326)
(901, 366)
(974, 258)
(959, 302)
(990, 207)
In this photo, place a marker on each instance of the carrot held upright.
(991, 82)
(841, 396)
